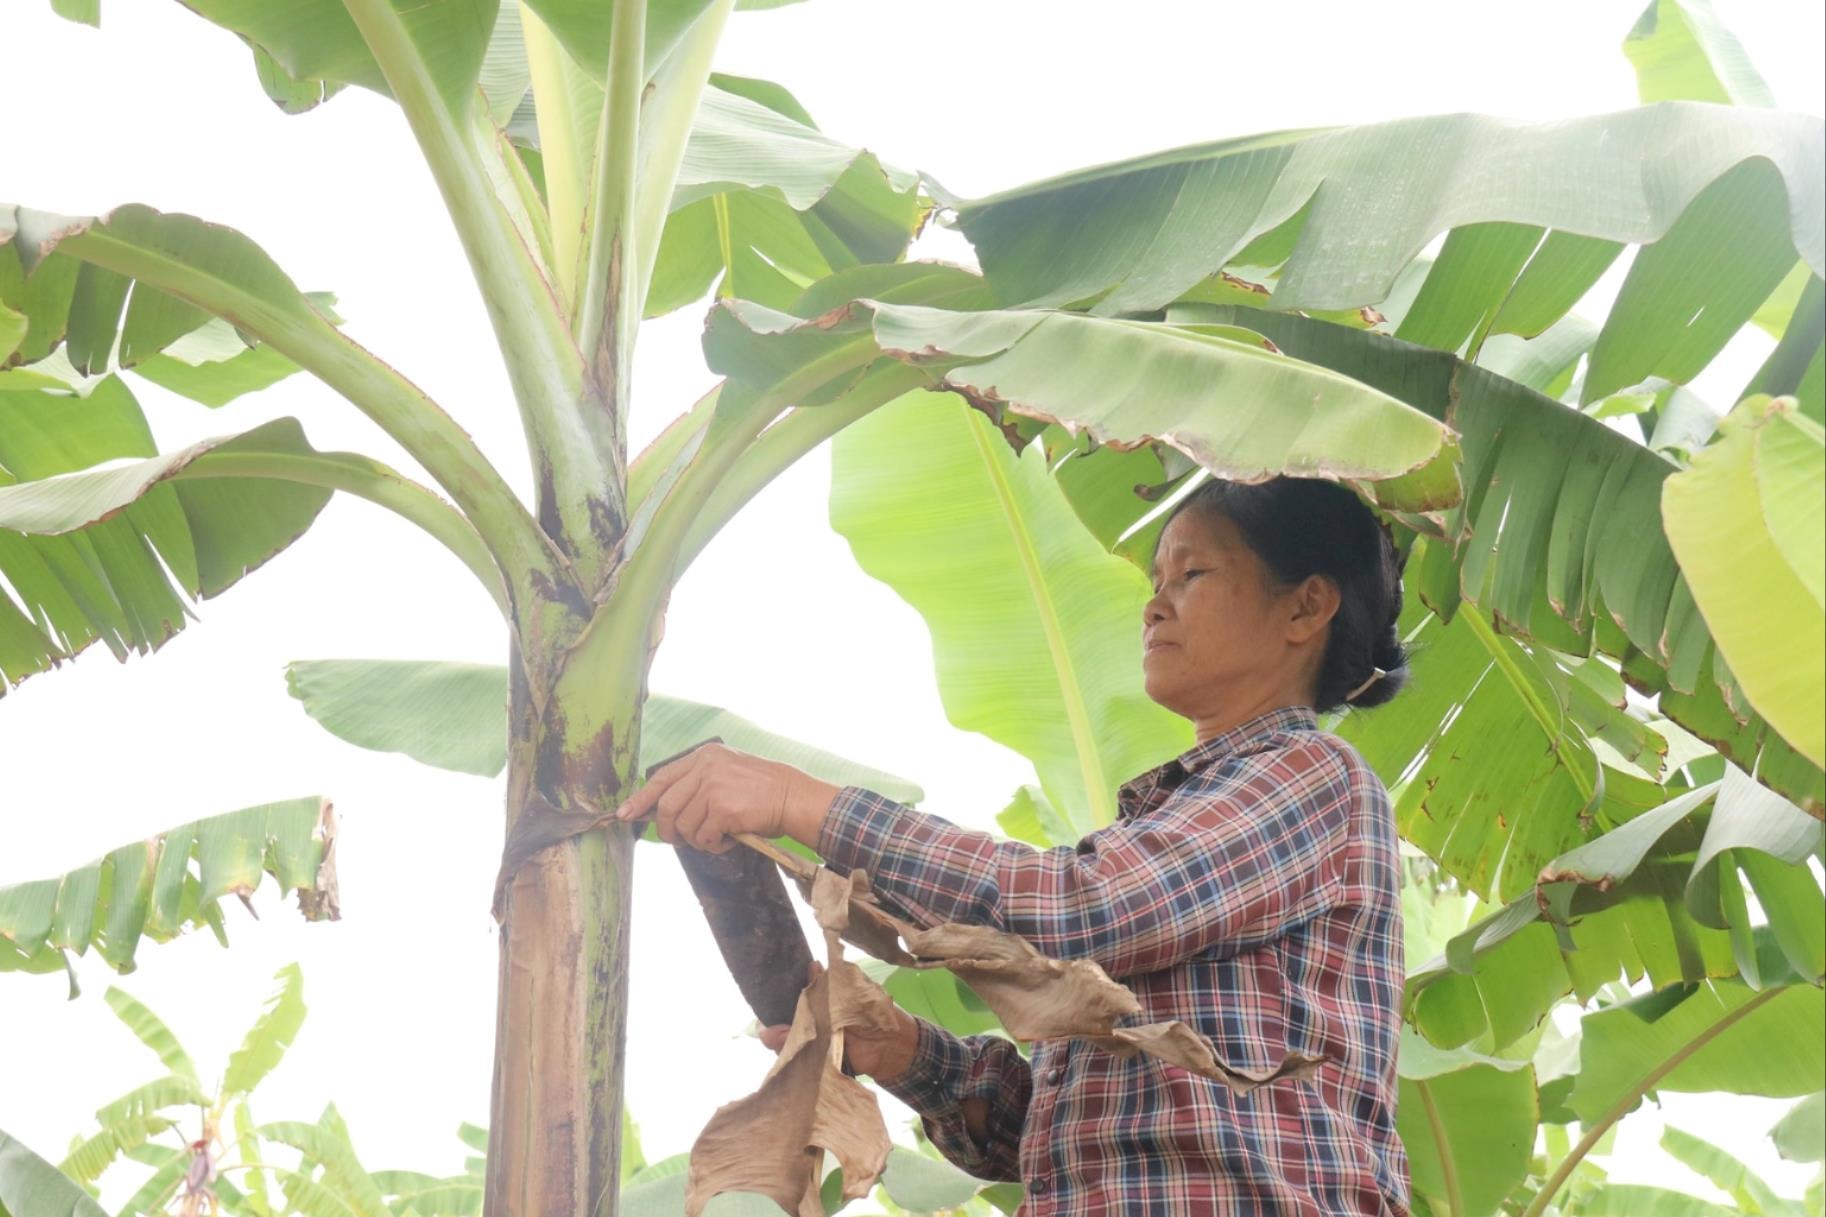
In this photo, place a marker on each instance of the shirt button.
(1037, 1187)
(1055, 1076)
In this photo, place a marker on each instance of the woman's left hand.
(715, 790)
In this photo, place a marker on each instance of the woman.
(1249, 887)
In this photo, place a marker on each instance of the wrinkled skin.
(1222, 641)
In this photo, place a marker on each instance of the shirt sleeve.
(948, 1069)
(1229, 862)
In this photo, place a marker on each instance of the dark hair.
(1304, 526)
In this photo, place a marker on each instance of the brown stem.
(561, 1012)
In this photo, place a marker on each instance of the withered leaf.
(1039, 998)
(1036, 998)
(772, 1142)
(1177, 1044)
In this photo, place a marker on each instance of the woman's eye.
(1184, 577)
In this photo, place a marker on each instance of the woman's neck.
(1234, 712)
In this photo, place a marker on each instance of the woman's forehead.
(1185, 537)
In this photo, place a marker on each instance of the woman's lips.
(1155, 646)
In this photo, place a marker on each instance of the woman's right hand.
(883, 1056)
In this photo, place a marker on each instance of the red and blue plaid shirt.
(1249, 887)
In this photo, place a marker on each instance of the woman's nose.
(1154, 610)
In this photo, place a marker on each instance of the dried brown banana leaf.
(773, 1141)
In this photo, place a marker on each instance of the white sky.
(775, 621)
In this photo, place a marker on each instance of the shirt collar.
(1239, 740)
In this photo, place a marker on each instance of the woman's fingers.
(775, 1037)
(642, 801)
(675, 803)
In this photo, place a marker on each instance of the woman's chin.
(1159, 683)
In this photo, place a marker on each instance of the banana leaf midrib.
(1090, 759)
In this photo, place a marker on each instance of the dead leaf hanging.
(772, 1142)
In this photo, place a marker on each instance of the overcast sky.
(774, 621)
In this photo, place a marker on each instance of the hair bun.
(1391, 657)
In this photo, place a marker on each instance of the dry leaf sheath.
(773, 1141)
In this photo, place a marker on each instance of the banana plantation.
(1606, 770)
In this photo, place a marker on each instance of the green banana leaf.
(583, 28)
(1036, 628)
(738, 142)
(115, 555)
(169, 1167)
(1468, 1125)
(1716, 1039)
(1800, 1136)
(89, 309)
(317, 41)
(1668, 321)
(1202, 391)
(1795, 368)
(151, 1031)
(216, 363)
(926, 1183)
(1770, 841)
(32, 1187)
(1744, 521)
(1489, 754)
(1559, 536)
(151, 889)
(81, 307)
(1166, 222)
(1643, 1200)
(765, 203)
(265, 1043)
(327, 1142)
(61, 305)
(129, 1123)
(1728, 1174)
(1640, 901)
(428, 1195)
(454, 716)
(1682, 52)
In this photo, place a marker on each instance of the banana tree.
(196, 1134)
(1210, 308)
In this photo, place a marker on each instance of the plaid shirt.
(1250, 888)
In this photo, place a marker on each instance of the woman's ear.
(1315, 603)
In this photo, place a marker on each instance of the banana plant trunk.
(555, 1121)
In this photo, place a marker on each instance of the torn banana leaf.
(772, 1142)
(1036, 997)
(160, 887)
(1560, 535)
(96, 551)
(1657, 898)
(1227, 398)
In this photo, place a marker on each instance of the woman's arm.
(971, 1093)
(1226, 864)
(1238, 854)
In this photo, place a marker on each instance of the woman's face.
(1219, 637)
